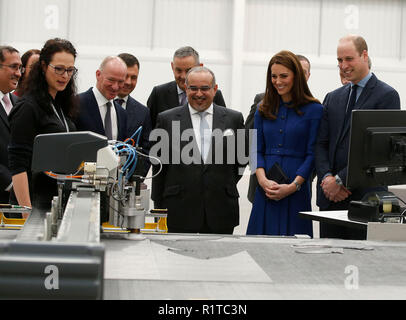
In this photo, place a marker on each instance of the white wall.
(235, 38)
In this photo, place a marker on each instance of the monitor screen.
(377, 152)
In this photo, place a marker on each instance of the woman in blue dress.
(287, 121)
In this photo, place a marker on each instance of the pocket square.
(228, 132)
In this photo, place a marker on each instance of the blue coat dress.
(288, 140)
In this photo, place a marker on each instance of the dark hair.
(8, 49)
(129, 60)
(301, 94)
(22, 83)
(38, 86)
(303, 58)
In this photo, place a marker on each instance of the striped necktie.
(205, 135)
(7, 103)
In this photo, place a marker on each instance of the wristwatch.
(298, 186)
(338, 180)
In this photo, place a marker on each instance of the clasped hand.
(275, 191)
(333, 191)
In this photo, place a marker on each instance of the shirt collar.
(179, 90)
(364, 81)
(125, 98)
(193, 111)
(101, 100)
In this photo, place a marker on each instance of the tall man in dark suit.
(138, 115)
(364, 91)
(198, 181)
(10, 73)
(98, 112)
(172, 94)
(249, 123)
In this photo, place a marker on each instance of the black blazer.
(165, 96)
(193, 191)
(89, 118)
(139, 115)
(331, 154)
(249, 124)
(5, 175)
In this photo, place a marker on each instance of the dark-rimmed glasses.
(202, 89)
(14, 67)
(59, 70)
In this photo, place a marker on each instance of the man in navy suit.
(173, 94)
(98, 112)
(364, 91)
(10, 73)
(137, 114)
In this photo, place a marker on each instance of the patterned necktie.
(183, 98)
(107, 122)
(7, 103)
(351, 102)
(205, 135)
(120, 101)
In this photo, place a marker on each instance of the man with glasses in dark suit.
(10, 73)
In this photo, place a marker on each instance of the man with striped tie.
(198, 183)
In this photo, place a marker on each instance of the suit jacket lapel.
(3, 114)
(95, 111)
(360, 104)
(4, 117)
(185, 123)
(219, 124)
(173, 99)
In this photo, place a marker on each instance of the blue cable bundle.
(122, 147)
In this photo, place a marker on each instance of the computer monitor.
(377, 149)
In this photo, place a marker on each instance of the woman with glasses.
(46, 107)
(287, 121)
(28, 59)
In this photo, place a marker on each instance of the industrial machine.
(98, 181)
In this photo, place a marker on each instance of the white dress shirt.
(101, 102)
(195, 116)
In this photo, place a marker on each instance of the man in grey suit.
(173, 94)
(10, 73)
(364, 91)
(198, 180)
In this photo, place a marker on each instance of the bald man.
(98, 111)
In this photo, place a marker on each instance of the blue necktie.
(205, 135)
(351, 102)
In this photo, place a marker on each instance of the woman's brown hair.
(300, 92)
